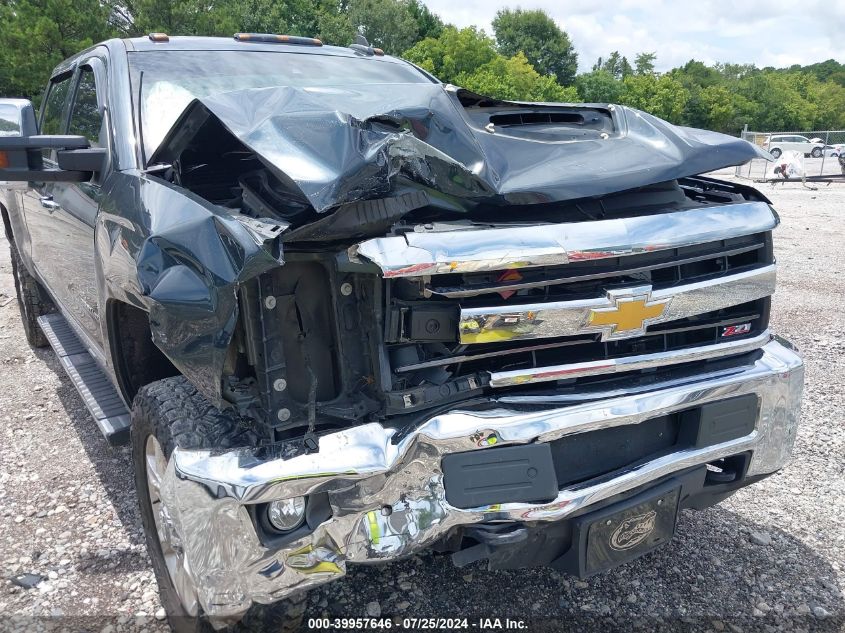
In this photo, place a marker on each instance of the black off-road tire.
(176, 414)
(33, 300)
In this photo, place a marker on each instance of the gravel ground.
(770, 558)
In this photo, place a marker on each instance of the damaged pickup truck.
(345, 312)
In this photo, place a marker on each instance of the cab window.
(51, 117)
(86, 119)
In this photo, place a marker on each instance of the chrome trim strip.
(572, 318)
(626, 363)
(476, 250)
(631, 387)
(474, 291)
(388, 498)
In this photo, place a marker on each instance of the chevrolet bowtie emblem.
(631, 311)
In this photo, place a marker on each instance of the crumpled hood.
(332, 146)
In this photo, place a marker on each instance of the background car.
(779, 143)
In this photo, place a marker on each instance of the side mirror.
(17, 118)
(20, 150)
(88, 160)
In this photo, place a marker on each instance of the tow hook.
(725, 471)
(489, 537)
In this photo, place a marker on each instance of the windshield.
(167, 81)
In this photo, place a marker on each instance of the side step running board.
(97, 391)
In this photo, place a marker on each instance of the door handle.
(47, 203)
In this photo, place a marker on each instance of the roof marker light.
(271, 38)
(159, 37)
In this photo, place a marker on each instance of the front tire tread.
(177, 414)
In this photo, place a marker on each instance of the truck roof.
(191, 43)
(196, 43)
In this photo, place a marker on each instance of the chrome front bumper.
(387, 494)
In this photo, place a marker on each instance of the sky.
(765, 33)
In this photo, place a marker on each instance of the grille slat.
(596, 313)
(473, 286)
(489, 352)
(449, 297)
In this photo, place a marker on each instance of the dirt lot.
(770, 558)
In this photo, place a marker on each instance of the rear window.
(167, 81)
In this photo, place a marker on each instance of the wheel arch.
(7, 222)
(136, 359)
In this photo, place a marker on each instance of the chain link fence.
(819, 152)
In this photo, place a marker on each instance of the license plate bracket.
(626, 530)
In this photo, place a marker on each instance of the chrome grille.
(471, 307)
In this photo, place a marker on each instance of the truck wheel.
(816, 153)
(166, 414)
(33, 300)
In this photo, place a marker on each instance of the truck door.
(67, 244)
(37, 201)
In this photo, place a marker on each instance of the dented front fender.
(181, 259)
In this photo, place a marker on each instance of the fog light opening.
(287, 514)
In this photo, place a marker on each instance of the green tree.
(695, 76)
(387, 24)
(829, 97)
(454, 53)
(264, 16)
(515, 79)
(428, 23)
(598, 86)
(37, 34)
(534, 33)
(616, 64)
(292, 17)
(644, 63)
(662, 96)
(735, 72)
(334, 27)
(468, 58)
(392, 25)
(829, 70)
(220, 17)
(724, 110)
(780, 101)
(695, 73)
(529, 61)
(177, 17)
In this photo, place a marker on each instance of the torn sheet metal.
(337, 145)
(184, 259)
